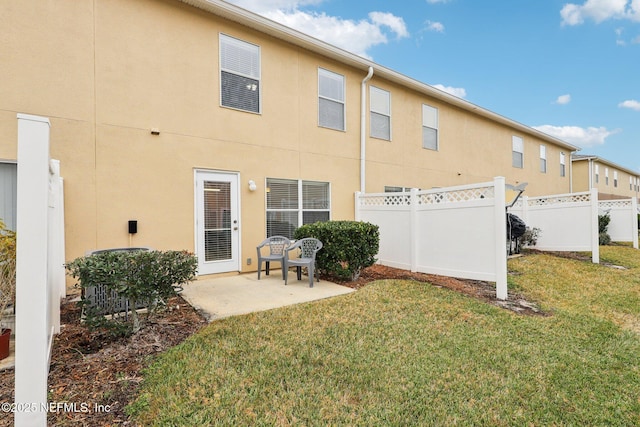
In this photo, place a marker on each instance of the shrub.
(603, 224)
(7, 269)
(530, 236)
(348, 246)
(139, 276)
(604, 239)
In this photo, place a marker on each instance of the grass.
(407, 353)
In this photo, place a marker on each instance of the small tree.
(348, 246)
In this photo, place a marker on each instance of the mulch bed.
(89, 369)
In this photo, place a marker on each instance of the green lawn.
(408, 353)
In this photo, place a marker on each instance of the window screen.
(239, 74)
(331, 111)
(429, 127)
(563, 166)
(380, 119)
(543, 159)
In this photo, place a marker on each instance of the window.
(597, 173)
(615, 179)
(380, 104)
(606, 176)
(239, 74)
(631, 183)
(517, 152)
(543, 159)
(331, 104)
(429, 127)
(291, 203)
(563, 166)
(393, 189)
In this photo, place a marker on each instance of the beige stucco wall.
(106, 72)
(585, 167)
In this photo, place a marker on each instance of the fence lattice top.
(428, 197)
(555, 200)
(614, 203)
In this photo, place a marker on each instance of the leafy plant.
(348, 246)
(7, 270)
(140, 277)
(530, 236)
(603, 224)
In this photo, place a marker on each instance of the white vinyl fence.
(623, 226)
(40, 272)
(567, 222)
(455, 231)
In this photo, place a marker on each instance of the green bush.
(348, 246)
(139, 276)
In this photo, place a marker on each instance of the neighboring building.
(214, 127)
(612, 181)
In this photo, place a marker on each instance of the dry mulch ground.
(92, 369)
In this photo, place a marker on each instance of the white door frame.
(217, 266)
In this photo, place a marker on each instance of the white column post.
(634, 221)
(415, 233)
(501, 237)
(595, 229)
(32, 331)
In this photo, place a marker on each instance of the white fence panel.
(40, 267)
(458, 238)
(392, 213)
(623, 226)
(455, 231)
(567, 222)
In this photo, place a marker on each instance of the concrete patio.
(220, 297)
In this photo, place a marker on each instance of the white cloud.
(563, 99)
(582, 137)
(354, 36)
(600, 10)
(631, 104)
(435, 26)
(460, 92)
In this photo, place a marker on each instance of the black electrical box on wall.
(133, 227)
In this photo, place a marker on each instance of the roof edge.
(605, 162)
(295, 37)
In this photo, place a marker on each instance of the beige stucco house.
(213, 127)
(611, 180)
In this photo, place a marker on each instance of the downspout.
(363, 127)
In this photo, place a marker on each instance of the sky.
(569, 69)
